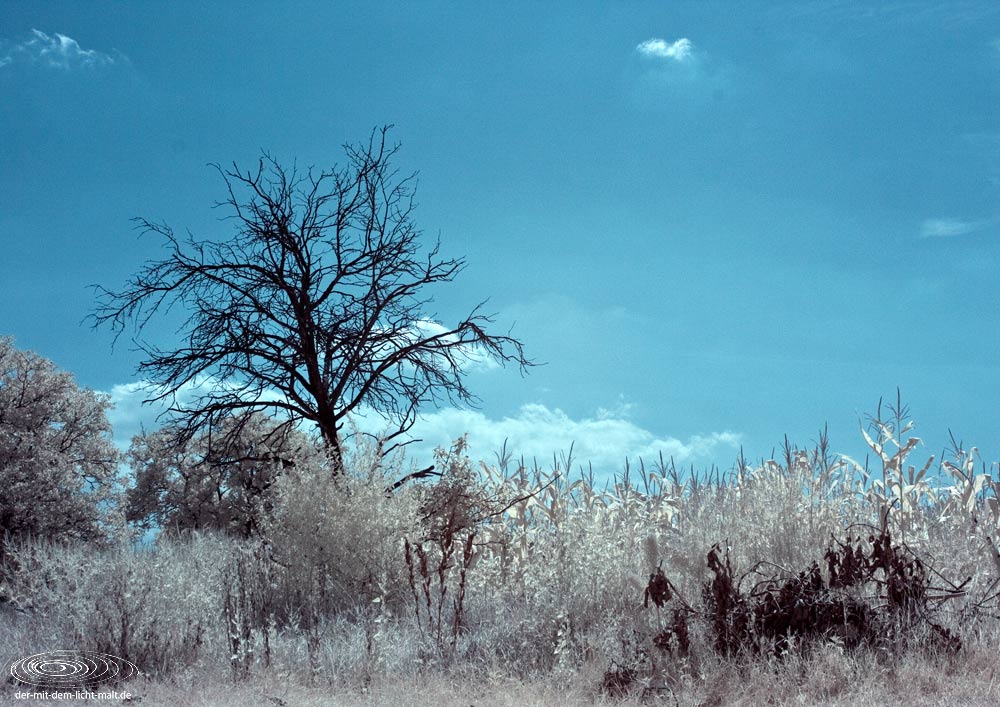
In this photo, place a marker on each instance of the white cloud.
(129, 416)
(950, 227)
(56, 51)
(537, 432)
(676, 73)
(680, 50)
(621, 409)
(472, 358)
(534, 432)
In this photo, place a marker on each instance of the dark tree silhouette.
(319, 296)
(215, 480)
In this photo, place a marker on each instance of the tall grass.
(502, 572)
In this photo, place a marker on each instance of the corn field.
(652, 585)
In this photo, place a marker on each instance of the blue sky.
(715, 224)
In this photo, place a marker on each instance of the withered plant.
(441, 560)
(247, 607)
(726, 606)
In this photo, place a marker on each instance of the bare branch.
(312, 308)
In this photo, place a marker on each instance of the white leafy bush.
(154, 606)
(337, 542)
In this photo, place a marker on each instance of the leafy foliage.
(58, 467)
(223, 479)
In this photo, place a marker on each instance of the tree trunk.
(328, 429)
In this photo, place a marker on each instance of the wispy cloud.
(55, 51)
(680, 50)
(129, 416)
(951, 227)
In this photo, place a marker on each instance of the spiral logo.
(71, 669)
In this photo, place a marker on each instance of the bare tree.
(314, 308)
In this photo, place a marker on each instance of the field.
(802, 580)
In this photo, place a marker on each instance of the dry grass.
(827, 678)
(504, 585)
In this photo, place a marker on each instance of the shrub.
(154, 607)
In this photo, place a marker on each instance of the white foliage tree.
(59, 476)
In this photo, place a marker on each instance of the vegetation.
(800, 580)
(58, 467)
(222, 479)
(294, 563)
